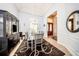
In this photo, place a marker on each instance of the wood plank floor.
(57, 45)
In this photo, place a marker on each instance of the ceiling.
(34, 8)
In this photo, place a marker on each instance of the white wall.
(9, 7)
(26, 19)
(66, 38)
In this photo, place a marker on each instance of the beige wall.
(50, 20)
(55, 26)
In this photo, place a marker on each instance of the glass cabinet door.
(8, 25)
(1, 25)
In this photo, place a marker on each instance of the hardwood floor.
(57, 45)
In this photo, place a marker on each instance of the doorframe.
(54, 14)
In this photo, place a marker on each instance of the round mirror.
(72, 23)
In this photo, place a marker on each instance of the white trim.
(15, 49)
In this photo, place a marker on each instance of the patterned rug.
(46, 50)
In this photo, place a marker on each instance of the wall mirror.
(72, 23)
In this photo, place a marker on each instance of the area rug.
(46, 50)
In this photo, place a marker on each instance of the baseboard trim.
(68, 48)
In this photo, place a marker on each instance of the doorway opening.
(52, 25)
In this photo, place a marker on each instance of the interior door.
(50, 29)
